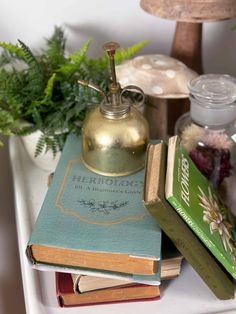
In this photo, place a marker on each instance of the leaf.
(7, 123)
(49, 87)
(35, 75)
(36, 117)
(56, 48)
(125, 54)
(69, 69)
(28, 55)
(14, 50)
(78, 57)
(40, 146)
(26, 130)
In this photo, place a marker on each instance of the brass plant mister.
(115, 134)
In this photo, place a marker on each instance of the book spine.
(194, 252)
(66, 296)
(209, 244)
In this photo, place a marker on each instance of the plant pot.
(45, 161)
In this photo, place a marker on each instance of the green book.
(186, 241)
(198, 203)
(95, 222)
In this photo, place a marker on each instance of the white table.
(186, 294)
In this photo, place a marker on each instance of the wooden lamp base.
(186, 47)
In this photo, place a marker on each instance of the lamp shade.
(191, 10)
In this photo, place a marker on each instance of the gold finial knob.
(111, 47)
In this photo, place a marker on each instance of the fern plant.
(41, 88)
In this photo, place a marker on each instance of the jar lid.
(213, 99)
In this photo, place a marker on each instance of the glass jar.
(208, 132)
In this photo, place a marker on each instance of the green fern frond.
(78, 57)
(14, 106)
(7, 123)
(99, 64)
(12, 83)
(35, 75)
(13, 50)
(26, 130)
(28, 55)
(51, 144)
(126, 54)
(47, 143)
(56, 48)
(36, 116)
(60, 140)
(69, 69)
(49, 87)
(40, 145)
(4, 88)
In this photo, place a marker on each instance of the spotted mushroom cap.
(158, 75)
(191, 10)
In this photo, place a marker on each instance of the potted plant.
(39, 91)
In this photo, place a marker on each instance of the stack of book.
(105, 237)
(189, 210)
(79, 289)
(95, 227)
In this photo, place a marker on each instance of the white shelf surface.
(186, 294)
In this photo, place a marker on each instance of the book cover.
(186, 241)
(96, 222)
(68, 298)
(170, 268)
(153, 280)
(198, 203)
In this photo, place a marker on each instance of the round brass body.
(114, 147)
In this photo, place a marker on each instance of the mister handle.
(133, 88)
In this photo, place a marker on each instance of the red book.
(67, 297)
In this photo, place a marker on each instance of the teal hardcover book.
(199, 205)
(94, 222)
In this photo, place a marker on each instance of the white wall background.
(103, 20)
(122, 21)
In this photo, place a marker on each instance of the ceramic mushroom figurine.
(187, 42)
(161, 78)
(190, 16)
